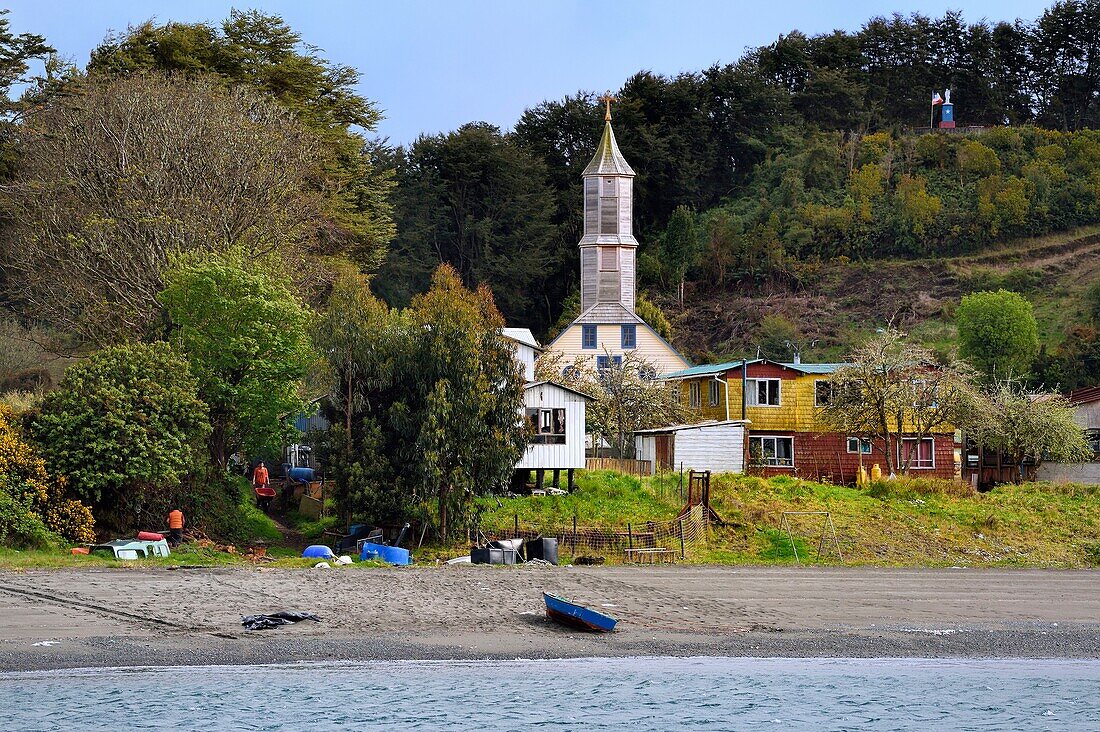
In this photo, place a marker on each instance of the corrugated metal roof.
(816, 368)
(533, 384)
(521, 335)
(721, 368)
(1084, 395)
(608, 160)
(693, 426)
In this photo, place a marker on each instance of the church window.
(609, 259)
(630, 336)
(609, 215)
(588, 336)
(604, 363)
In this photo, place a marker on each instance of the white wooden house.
(715, 446)
(527, 349)
(607, 327)
(554, 415)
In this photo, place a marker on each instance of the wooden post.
(630, 536)
(683, 548)
(517, 526)
(557, 478)
(574, 535)
(538, 478)
(572, 485)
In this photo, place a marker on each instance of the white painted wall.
(650, 347)
(1087, 473)
(526, 357)
(569, 455)
(719, 448)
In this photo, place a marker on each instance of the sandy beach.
(134, 616)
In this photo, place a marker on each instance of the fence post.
(630, 536)
(516, 524)
(683, 548)
(574, 535)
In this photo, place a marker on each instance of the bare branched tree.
(117, 177)
(894, 387)
(1028, 426)
(625, 396)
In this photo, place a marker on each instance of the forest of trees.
(799, 149)
(201, 222)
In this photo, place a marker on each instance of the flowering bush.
(32, 503)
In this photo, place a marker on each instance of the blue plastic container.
(318, 551)
(388, 554)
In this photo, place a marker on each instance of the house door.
(665, 449)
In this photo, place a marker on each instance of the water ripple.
(589, 694)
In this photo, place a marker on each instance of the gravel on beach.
(138, 616)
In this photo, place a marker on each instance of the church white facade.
(608, 328)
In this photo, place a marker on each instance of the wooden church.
(608, 328)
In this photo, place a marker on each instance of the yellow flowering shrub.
(31, 489)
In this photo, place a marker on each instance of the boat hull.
(577, 616)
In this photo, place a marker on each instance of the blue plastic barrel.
(318, 551)
(388, 554)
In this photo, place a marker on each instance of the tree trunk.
(443, 516)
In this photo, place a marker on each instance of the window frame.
(860, 443)
(543, 423)
(605, 362)
(713, 397)
(632, 329)
(755, 390)
(763, 462)
(608, 253)
(695, 399)
(917, 465)
(587, 330)
(817, 399)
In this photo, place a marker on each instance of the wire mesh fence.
(679, 535)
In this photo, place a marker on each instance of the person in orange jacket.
(175, 527)
(260, 475)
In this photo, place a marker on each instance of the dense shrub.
(33, 504)
(124, 420)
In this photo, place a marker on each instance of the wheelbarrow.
(265, 494)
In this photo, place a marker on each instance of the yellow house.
(782, 403)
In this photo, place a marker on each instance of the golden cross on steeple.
(608, 99)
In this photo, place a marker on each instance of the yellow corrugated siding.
(650, 347)
(796, 411)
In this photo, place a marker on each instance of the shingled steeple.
(608, 245)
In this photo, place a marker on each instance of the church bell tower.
(608, 246)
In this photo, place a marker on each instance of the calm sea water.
(584, 694)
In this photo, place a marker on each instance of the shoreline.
(140, 617)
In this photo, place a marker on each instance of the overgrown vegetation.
(905, 521)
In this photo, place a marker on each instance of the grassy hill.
(833, 304)
(911, 523)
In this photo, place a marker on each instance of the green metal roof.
(608, 160)
(721, 368)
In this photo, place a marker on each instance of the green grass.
(894, 523)
(601, 498)
(312, 529)
(256, 525)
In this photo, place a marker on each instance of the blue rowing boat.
(570, 613)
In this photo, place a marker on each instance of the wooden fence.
(676, 536)
(630, 467)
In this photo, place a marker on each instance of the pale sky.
(433, 65)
